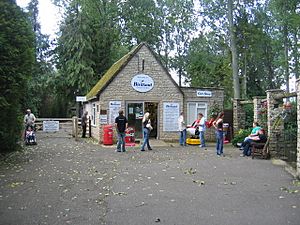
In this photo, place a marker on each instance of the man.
(84, 121)
(182, 130)
(202, 129)
(121, 124)
(29, 119)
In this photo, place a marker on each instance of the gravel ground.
(61, 181)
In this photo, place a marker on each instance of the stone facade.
(274, 131)
(258, 110)
(298, 133)
(216, 98)
(165, 90)
(238, 116)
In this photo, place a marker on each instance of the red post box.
(107, 134)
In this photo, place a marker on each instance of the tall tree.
(208, 64)
(16, 61)
(286, 17)
(234, 54)
(38, 91)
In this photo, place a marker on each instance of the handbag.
(149, 126)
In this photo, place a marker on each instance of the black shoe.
(149, 149)
(142, 150)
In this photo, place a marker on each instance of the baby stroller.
(30, 138)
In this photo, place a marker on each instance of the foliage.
(208, 64)
(248, 109)
(16, 61)
(240, 136)
(214, 110)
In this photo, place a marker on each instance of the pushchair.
(30, 138)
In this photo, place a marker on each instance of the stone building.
(138, 83)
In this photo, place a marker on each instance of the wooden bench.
(260, 149)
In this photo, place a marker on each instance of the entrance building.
(139, 83)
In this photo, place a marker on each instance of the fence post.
(274, 109)
(75, 127)
(90, 128)
(298, 121)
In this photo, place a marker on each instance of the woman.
(260, 138)
(146, 131)
(218, 124)
(182, 130)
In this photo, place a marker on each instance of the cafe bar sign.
(142, 83)
(204, 94)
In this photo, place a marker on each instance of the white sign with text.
(50, 126)
(142, 83)
(204, 94)
(114, 107)
(170, 116)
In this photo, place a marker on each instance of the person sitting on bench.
(260, 138)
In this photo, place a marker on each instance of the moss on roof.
(111, 73)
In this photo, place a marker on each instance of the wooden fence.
(71, 125)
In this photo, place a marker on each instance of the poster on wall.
(170, 116)
(114, 107)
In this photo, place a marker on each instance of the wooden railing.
(72, 124)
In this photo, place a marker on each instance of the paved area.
(61, 181)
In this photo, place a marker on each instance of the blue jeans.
(246, 145)
(146, 139)
(202, 139)
(220, 142)
(121, 142)
(182, 137)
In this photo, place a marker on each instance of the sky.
(49, 16)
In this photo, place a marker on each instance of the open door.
(152, 108)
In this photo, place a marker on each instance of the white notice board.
(50, 126)
(114, 107)
(170, 116)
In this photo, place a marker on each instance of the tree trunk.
(286, 57)
(234, 63)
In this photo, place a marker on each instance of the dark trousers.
(83, 130)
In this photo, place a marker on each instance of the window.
(193, 108)
(94, 115)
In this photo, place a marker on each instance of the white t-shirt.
(202, 126)
(181, 123)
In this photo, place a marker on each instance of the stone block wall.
(216, 98)
(275, 131)
(164, 90)
(239, 116)
(258, 110)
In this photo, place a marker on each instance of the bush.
(239, 138)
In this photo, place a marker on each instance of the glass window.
(193, 108)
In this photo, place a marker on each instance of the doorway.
(135, 113)
(152, 108)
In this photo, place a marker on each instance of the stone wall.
(164, 90)
(275, 131)
(216, 98)
(298, 133)
(238, 116)
(258, 111)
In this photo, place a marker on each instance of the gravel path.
(60, 181)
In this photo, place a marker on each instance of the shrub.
(240, 136)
